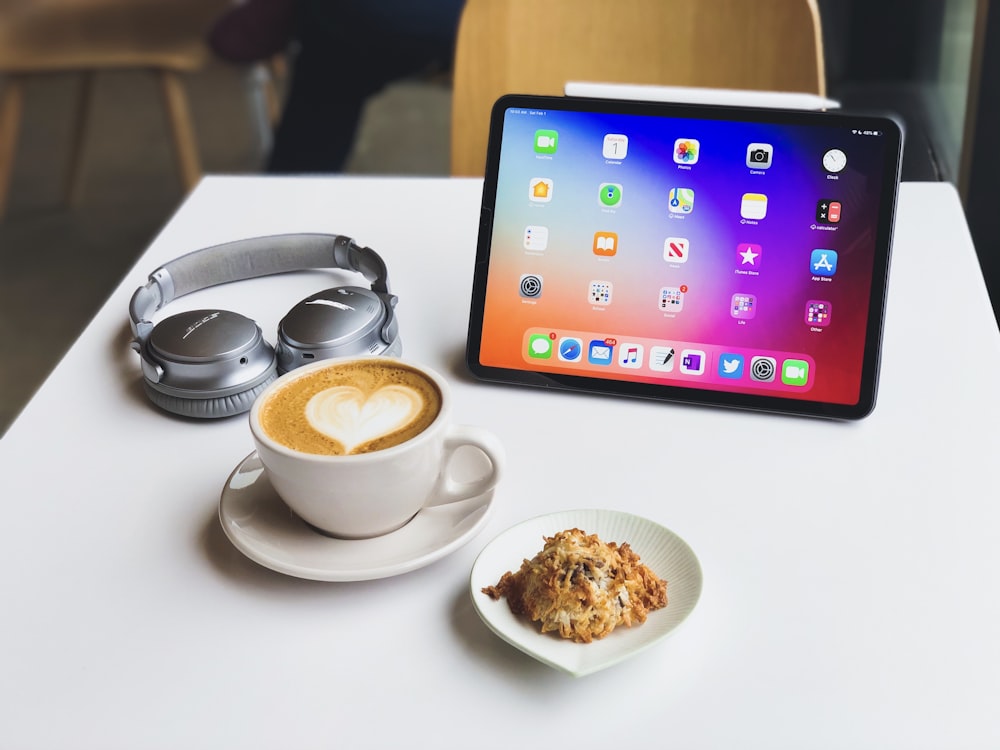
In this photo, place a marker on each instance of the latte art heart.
(352, 418)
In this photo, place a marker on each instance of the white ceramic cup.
(370, 494)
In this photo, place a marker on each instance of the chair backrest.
(536, 46)
(71, 35)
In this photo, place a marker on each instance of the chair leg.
(11, 107)
(181, 129)
(73, 187)
(276, 81)
(263, 105)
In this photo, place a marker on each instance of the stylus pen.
(693, 95)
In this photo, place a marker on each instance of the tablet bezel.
(893, 135)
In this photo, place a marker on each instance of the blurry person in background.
(342, 54)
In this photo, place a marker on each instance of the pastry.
(582, 587)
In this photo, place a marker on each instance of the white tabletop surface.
(850, 569)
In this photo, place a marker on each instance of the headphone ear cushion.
(208, 408)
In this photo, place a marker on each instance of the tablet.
(709, 255)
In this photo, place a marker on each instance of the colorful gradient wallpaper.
(701, 253)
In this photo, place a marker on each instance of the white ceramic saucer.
(263, 528)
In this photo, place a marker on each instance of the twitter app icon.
(731, 366)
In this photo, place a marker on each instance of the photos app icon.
(686, 151)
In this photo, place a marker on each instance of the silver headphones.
(213, 363)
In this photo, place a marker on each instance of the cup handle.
(450, 490)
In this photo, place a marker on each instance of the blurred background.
(933, 62)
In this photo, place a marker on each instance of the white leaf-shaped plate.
(664, 552)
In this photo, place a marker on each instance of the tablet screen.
(725, 256)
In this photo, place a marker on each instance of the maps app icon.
(680, 200)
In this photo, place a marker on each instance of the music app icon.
(630, 355)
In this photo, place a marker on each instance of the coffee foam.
(357, 407)
(352, 417)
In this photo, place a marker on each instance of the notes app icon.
(753, 206)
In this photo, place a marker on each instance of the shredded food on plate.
(582, 587)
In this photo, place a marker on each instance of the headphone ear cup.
(344, 321)
(206, 364)
(207, 408)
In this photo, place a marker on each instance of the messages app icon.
(539, 346)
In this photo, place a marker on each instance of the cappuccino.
(356, 407)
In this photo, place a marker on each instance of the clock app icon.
(834, 160)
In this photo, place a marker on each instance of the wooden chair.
(536, 47)
(39, 37)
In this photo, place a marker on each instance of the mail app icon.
(599, 352)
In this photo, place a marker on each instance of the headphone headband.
(248, 259)
(214, 363)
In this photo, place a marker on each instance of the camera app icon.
(759, 155)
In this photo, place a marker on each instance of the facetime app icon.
(795, 372)
(546, 141)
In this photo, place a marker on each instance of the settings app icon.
(762, 369)
(531, 285)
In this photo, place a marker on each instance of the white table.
(850, 597)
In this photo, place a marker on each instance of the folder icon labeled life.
(753, 206)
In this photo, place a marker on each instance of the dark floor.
(58, 263)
